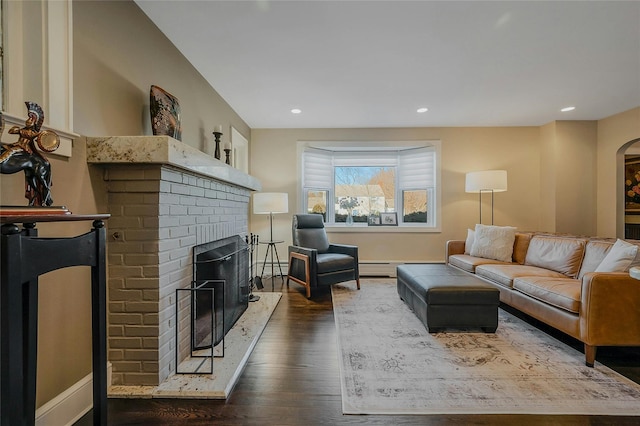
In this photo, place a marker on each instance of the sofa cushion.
(333, 262)
(563, 293)
(620, 258)
(560, 254)
(493, 242)
(469, 241)
(520, 246)
(469, 263)
(504, 274)
(594, 252)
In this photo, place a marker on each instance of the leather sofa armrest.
(610, 309)
(453, 247)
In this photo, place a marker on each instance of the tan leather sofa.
(552, 278)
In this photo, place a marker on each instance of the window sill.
(380, 229)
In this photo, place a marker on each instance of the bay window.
(353, 183)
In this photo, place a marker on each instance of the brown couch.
(552, 278)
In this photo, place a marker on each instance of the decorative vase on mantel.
(165, 113)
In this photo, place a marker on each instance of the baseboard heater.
(367, 269)
(378, 269)
(383, 269)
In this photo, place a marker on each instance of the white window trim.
(54, 51)
(367, 145)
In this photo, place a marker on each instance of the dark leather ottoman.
(444, 297)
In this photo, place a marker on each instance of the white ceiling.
(354, 63)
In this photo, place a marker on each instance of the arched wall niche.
(628, 215)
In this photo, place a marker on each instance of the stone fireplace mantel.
(164, 197)
(164, 150)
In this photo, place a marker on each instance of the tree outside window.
(414, 206)
(361, 191)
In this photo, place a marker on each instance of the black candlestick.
(217, 151)
(227, 152)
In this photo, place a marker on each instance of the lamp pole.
(480, 194)
(272, 246)
(271, 226)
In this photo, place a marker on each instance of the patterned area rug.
(390, 364)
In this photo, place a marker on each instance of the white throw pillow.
(494, 242)
(469, 242)
(619, 258)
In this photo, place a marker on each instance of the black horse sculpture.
(23, 155)
(37, 174)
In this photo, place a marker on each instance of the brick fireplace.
(164, 198)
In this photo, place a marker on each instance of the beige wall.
(575, 183)
(118, 54)
(548, 177)
(565, 176)
(516, 149)
(568, 188)
(615, 134)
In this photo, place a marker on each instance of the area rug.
(390, 364)
(238, 345)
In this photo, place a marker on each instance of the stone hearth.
(164, 197)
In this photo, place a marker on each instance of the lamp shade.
(270, 202)
(487, 180)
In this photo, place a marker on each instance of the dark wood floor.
(292, 378)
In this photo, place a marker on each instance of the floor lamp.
(486, 181)
(271, 203)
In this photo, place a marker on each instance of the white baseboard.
(69, 406)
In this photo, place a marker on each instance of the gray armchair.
(313, 261)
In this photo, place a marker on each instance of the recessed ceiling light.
(296, 111)
(421, 110)
(567, 109)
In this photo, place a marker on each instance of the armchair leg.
(307, 281)
(358, 282)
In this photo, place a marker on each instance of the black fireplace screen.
(223, 265)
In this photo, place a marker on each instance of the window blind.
(317, 169)
(416, 168)
(365, 159)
